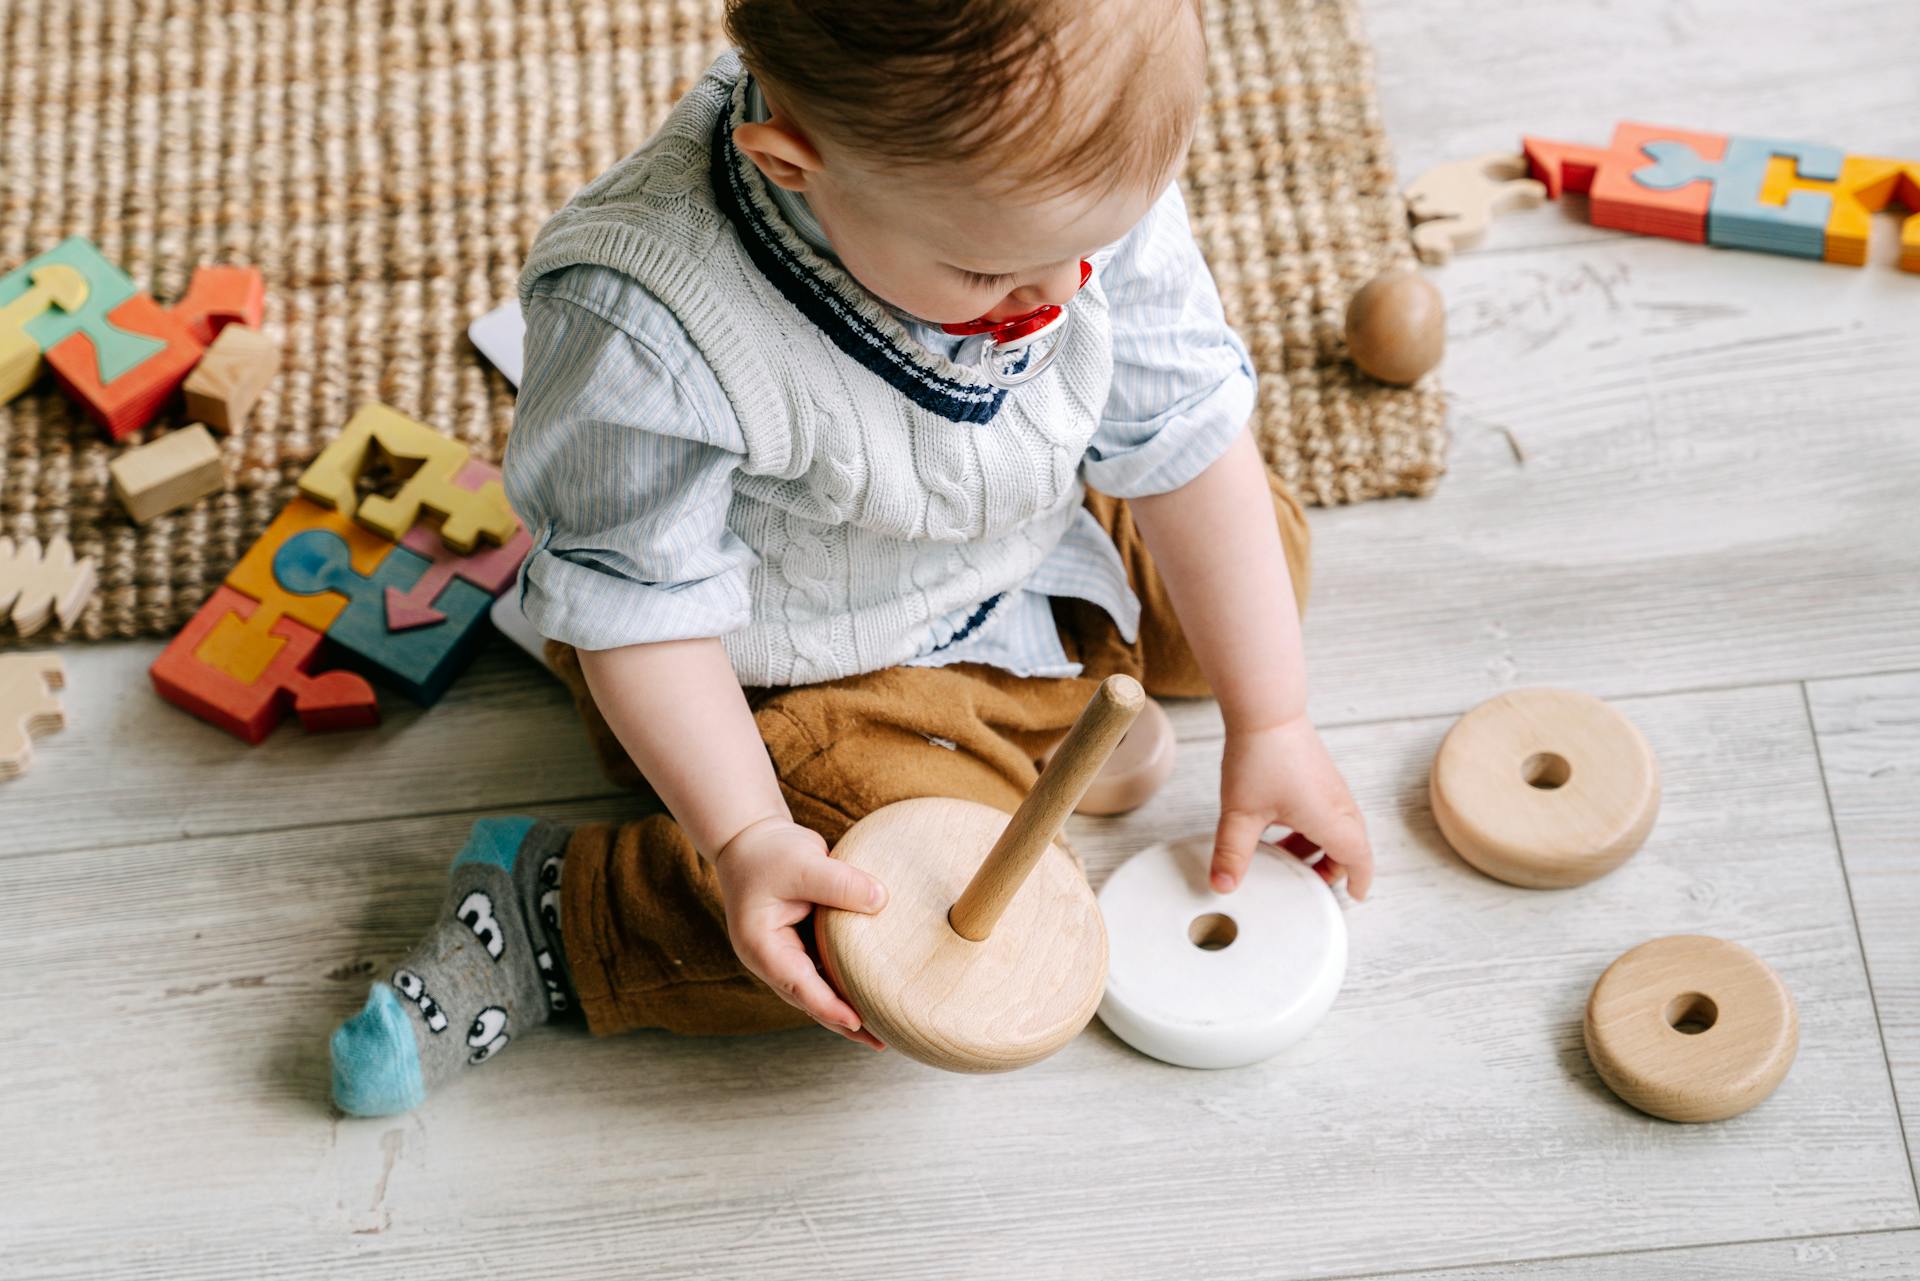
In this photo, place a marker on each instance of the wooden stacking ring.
(1138, 768)
(1545, 788)
(1691, 1028)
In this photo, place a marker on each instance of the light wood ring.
(1138, 768)
(1545, 788)
(1744, 1029)
(1002, 1003)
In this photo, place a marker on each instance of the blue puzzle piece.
(117, 349)
(1736, 218)
(421, 661)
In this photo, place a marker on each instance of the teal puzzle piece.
(107, 287)
(1736, 218)
(420, 662)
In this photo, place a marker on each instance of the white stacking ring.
(1208, 980)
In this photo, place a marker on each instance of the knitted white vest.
(883, 486)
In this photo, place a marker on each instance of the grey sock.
(491, 969)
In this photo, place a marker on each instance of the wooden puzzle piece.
(125, 402)
(1866, 185)
(1615, 199)
(238, 366)
(1736, 216)
(28, 706)
(107, 287)
(490, 569)
(52, 286)
(242, 646)
(165, 475)
(219, 296)
(428, 460)
(420, 662)
(1452, 204)
(37, 585)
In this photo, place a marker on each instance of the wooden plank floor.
(1683, 479)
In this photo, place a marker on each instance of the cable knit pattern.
(883, 485)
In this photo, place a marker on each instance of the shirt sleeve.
(621, 463)
(1182, 382)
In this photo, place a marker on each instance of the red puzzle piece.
(222, 296)
(1616, 200)
(130, 401)
(330, 700)
(488, 568)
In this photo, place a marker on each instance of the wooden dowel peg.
(1102, 724)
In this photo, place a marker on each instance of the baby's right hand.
(771, 875)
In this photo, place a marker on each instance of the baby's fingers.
(831, 883)
(789, 971)
(1345, 840)
(1233, 842)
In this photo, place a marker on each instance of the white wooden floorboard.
(1869, 738)
(1876, 1256)
(167, 1110)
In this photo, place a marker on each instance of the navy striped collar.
(822, 292)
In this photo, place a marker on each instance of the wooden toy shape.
(1545, 788)
(219, 296)
(238, 366)
(1615, 199)
(1736, 217)
(1452, 204)
(167, 474)
(420, 662)
(125, 402)
(52, 286)
(1208, 980)
(1397, 327)
(428, 460)
(1141, 763)
(491, 569)
(1866, 185)
(250, 709)
(28, 706)
(1691, 1028)
(36, 585)
(980, 964)
(107, 288)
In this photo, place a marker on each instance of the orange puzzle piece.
(129, 402)
(219, 296)
(1606, 175)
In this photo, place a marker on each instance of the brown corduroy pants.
(644, 926)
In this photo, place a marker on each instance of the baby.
(819, 524)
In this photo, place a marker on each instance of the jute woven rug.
(387, 162)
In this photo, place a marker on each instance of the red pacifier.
(1008, 339)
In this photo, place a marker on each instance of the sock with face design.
(489, 971)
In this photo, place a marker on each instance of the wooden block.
(36, 585)
(1737, 217)
(238, 366)
(219, 296)
(420, 661)
(491, 569)
(106, 288)
(429, 460)
(53, 286)
(1615, 197)
(1866, 185)
(28, 705)
(1452, 204)
(249, 709)
(1545, 788)
(1690, 1028)
(167, 474)
(126, 401)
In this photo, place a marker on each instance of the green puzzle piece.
(107, 287)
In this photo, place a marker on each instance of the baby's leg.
(490, 970)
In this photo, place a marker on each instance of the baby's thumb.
(1233, 843)
(832, 883)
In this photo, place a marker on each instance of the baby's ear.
(780, 151)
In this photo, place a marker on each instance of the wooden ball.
(1545, 788)
(1397, 326)
(1691, 1028)
(1002, 1003)
(1138, 767)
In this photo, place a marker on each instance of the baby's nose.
(1054, 285)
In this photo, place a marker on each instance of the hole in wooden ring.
(1546, 771)
(1212, 931)
(1692, 1013)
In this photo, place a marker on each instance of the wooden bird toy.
(1545, 788)
(990, 953)
(1452, 204)
(1397, 327)
(1691, 1028)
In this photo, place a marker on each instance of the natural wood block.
(37, 585)
(1691, 1028)
(167, 474)
(238, 366)
(29, 705)
(1545, 788)
(1451, 204)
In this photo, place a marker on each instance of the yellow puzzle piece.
(1866, 185)
(54, 285)
(429, 462)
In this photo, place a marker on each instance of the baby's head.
(963, 156)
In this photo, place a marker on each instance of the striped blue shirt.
(625, 447)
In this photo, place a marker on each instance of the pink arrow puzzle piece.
(490, 569)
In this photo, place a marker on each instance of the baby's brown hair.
(1006, 86)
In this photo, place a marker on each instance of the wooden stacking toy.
(1139, 766)
(1691, 1028)
(1545, 788)
(1208, 980)
(1397, 326)
(990, 953)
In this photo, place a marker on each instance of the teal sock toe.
(376, 1064)
(496, 841)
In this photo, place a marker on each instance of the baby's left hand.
(1282, 774)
